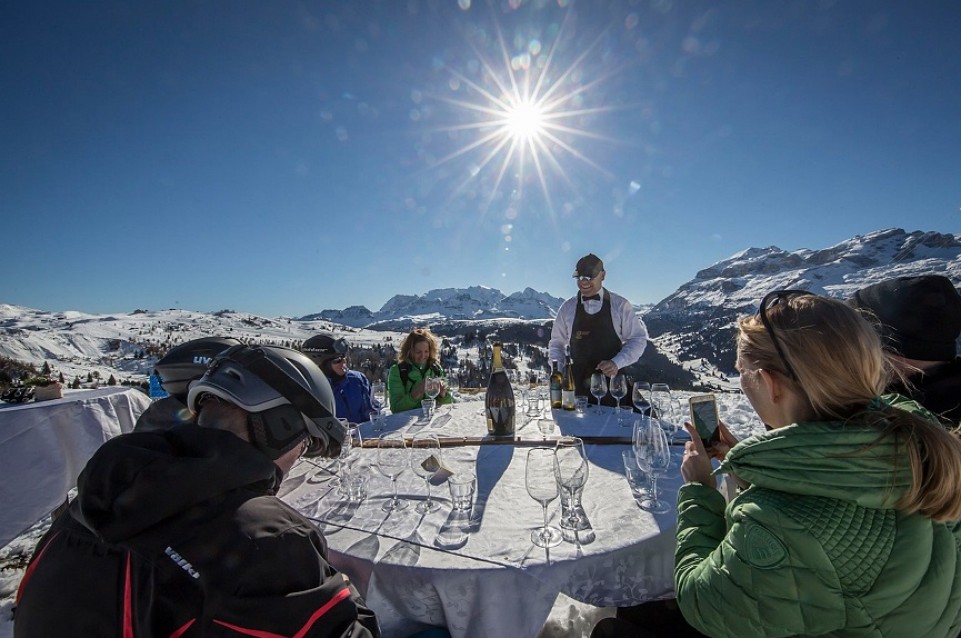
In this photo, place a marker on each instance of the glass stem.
(393, 482)
(654, 488)
(427, 481)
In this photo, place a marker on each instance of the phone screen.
(704, 415)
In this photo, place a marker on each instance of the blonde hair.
(841, 370)
(418, 335)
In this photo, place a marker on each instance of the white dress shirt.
(627, 325)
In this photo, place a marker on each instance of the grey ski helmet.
(324, 347)
(188, 362)
(285, 394)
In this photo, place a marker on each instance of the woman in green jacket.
(845, 524)
(416, 362)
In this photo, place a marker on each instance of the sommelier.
(600, 327)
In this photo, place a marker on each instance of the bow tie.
(596, 297)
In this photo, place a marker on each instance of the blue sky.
(282, 158)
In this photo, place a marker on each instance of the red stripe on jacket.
(256, 633)
(33, 565)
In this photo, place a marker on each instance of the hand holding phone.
(705, 418)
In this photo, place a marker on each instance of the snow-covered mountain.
(697, 320)
(694, 325)
(476, 302)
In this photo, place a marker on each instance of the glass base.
(427, 506)
(546, 537)
(394, 504)
(655, 507)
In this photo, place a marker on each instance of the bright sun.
(524, 121)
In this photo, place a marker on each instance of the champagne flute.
(618, 391)
(425, 461)
(641, 397)
(658, 460)
(542, 487)
(392, 458)
(598, 386)
(570, 471)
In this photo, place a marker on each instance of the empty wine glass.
(349, 453)
(570, 471)
(378, 392)
(656, 451)
(598, 386)
(546, 426)
(618, 391)
(392, 459)
(663, 406)
(425, 461)
(542, 487)
(432, 387)
(641, 397)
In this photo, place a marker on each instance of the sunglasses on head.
(769, 301)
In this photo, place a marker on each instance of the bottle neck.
(496, 362)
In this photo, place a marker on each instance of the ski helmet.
(285, 394)
(323, 347)
(188, 362)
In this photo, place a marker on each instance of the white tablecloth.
(43, 447)
(481, 575)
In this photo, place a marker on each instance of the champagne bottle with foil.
(567, 387)
(556, 382)
(499, 402)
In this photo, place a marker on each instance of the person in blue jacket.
(351, 388)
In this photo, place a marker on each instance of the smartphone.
(705, 419)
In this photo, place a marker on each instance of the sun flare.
(520, 119)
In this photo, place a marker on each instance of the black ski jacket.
(178, 534)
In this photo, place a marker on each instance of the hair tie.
(877, 403)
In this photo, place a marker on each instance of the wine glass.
(546, 426)
(657, 459)
(663, 406)
(378, 392)
(570, 471)
(432, 386)
(618, 391)
(425, 461)
(641, 397)
(598, 386)
(542, 487)
(349, 453)
(392, 458)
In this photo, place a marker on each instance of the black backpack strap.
(404, 368)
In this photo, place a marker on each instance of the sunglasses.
(339, 359)
(585, 277)
(769, 301)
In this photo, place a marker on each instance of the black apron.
(593, 339)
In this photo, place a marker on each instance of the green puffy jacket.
(815, 546)
(399, 389)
